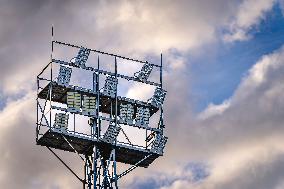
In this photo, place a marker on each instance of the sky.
(223, 70)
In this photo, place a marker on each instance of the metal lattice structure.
(60, 105)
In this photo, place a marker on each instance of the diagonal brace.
(133, 167)
(83, 181)
(72, 147)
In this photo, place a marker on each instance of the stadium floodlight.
(159, 143)
(64, 75)
(61, 121)
(110, 86)
(73, 102)
(158, 97)
(142, 116)
(89, 105)
(82, 57)
(122, 113)
(111, 133)
(144, 73)
(126, 113)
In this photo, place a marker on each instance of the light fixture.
(144, 73)
(142, 116)
(89, 105)
(111, 133)
(73, 102)
(64, 75)
(82, 57)
(110, 86)
(61, 121)
(159, 143)
(126, 113)
(158, 97)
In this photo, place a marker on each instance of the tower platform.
(59, 94)
(127, 154)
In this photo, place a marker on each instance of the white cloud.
(243, 144)
(245, 129)
(249, 14)
(213, 110)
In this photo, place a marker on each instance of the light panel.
(82, 57)
(89, 105)
(111, 133)
(144, 73)
(158, 97)
(64, 75)
(73, 102)
(126, 113)
(159, 144)
(61, 121)
(110, 87)
(142, 116)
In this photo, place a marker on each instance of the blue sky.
(217, 76)
(224, 73)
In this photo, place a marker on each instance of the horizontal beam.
(105, 53)
(105, 72)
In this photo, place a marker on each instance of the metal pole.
(74, 124)
(51, 75)
(161, 71)
(37, 123)
(114, 167)
(98, 101)
(85, 175)
(161, 82)
(95, 167)
(115, 96)
(114, 160)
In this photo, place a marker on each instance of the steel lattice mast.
(60, 105)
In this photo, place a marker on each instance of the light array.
(82, 57)
(61, 121)
(144, 73)
(126, 113)
(64, 75)
(89, 105)
(142, 116)
(110, 87)
(111, 133)
(73, 101)
(158, 97)
(159, 144)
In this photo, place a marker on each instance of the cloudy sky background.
(224, 65)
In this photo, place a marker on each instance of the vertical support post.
(98, 100)
(74, 124)
(161, 82)
(114, 157)
(114, 170)
(95, 89)
(37, 102)
(146, 145)
(85, 175)
(51, 76)
(95, 167)
(115, 95)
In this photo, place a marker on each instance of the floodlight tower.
(60, 105)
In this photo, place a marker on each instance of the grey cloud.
(25, 48)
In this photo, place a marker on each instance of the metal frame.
(100, 169)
